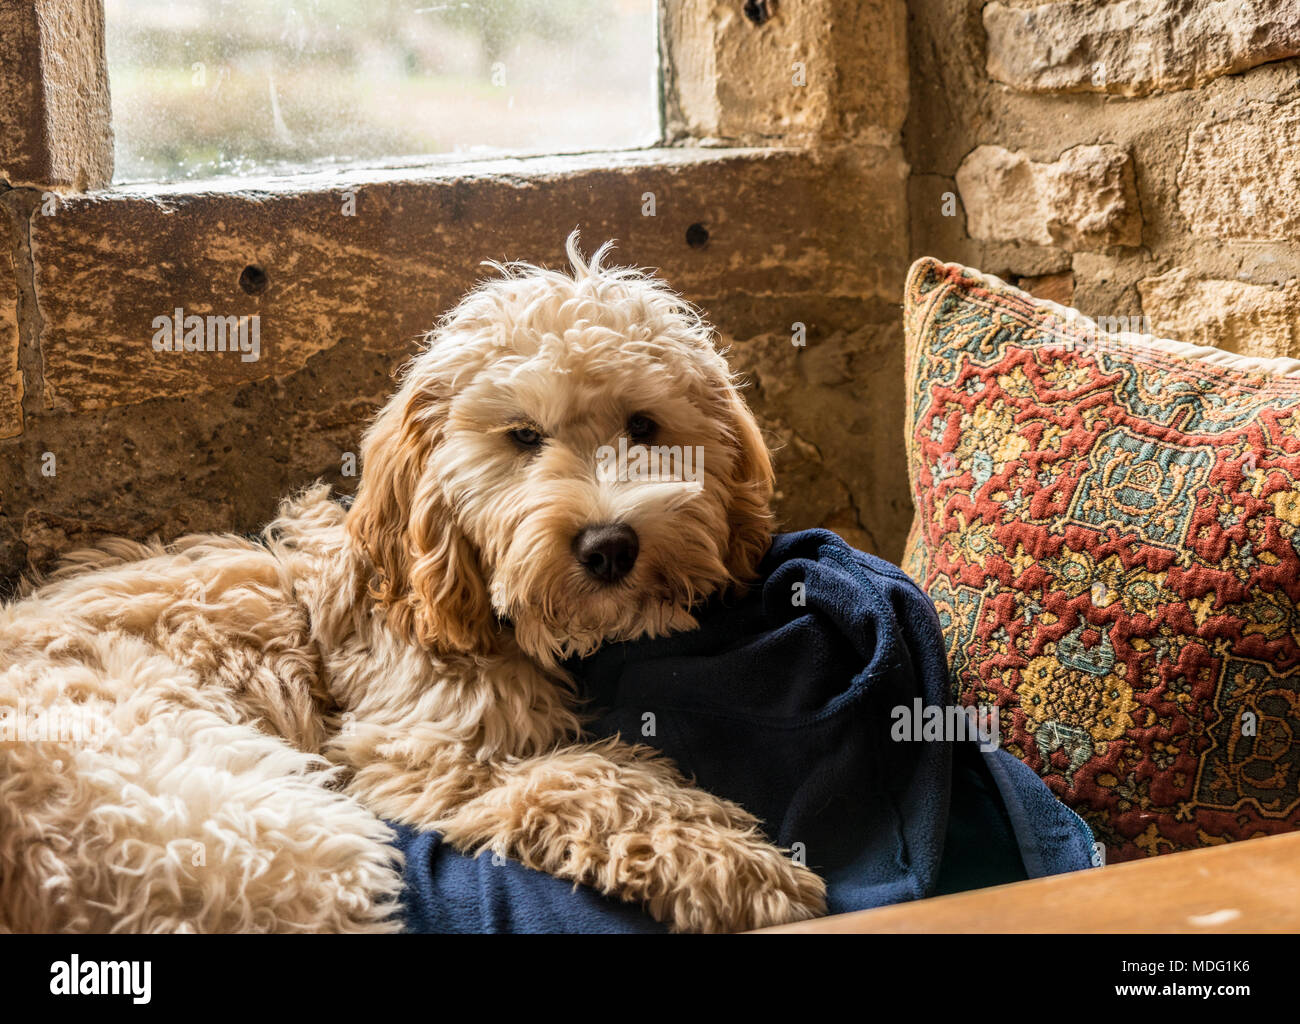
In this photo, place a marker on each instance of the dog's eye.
(526, 437)
(640, 426)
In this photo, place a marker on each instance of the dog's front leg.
(616, 817)
(624, 821)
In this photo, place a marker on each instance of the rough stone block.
(11, 378)
(107, 266)
(1237, 316)
(784, 72)
(54, 118)
(1135, 47)
(1058, 288)
(1237, 179)
(1086, 199)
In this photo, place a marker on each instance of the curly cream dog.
(243, 714)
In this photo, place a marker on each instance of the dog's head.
(570, 454)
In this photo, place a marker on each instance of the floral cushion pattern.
(1109, 526)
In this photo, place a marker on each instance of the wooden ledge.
(1251, 886)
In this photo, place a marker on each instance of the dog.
(205, 736)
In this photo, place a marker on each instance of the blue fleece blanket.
(787, 701)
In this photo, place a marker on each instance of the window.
(202, 88)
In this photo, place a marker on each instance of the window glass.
(203, 88)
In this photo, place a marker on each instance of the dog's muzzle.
(608, 552)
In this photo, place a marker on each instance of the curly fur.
(260, 705)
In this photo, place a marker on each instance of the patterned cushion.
(1110, 528)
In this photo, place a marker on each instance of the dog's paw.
(746, 883)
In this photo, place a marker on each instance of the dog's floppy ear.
(426, 572)
(749, 516)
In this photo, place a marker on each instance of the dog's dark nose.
(607, 552)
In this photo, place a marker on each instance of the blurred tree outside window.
(206, 88)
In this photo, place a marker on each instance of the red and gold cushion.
(1109, 526)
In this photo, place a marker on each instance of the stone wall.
(1137, 159)
(779, 200)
